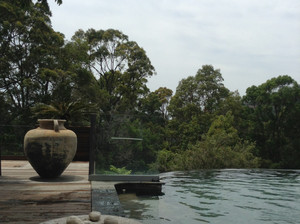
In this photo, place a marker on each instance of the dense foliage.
(203, 125)
(273, 110)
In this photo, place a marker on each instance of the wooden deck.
(26, 198)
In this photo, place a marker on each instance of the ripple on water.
(223, 196)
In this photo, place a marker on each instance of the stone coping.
(109, 219)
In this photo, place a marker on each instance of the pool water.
(220, 196)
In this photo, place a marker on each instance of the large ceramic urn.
(50, 148)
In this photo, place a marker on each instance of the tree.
(220, 147)
(120, 65)
(121, 68)
(153, 106)
(28, 45)
(4, 117)
(195, 104)
(164, 94)
(233, 104)
(200, 93)
(274, 111)
(75, 90)
(28, 3)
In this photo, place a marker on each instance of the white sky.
(250, 41)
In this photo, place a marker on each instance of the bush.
(168, 161)
(221, 147)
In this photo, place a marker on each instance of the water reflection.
(140, 207)
(221, 196)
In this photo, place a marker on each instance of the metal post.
(0, 154)
(92, 144)
(0, 161)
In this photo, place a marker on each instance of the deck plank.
(26, 198)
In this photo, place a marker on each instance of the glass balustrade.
(126, 145)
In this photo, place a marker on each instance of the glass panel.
(125, 146)
(12, 139)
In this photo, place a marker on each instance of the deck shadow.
(63, 178)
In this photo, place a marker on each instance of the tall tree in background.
(153, 116)
(28, 44)
(194, 105)
(120, 65)
(274, 112)
(121, 68)
(75, 89)
(164, 94)
(155, 103)
(27, 3)
(200, 93)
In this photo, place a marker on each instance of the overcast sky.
(250, 41)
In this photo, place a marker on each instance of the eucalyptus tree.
(200, 93)
(27, 3)
(195, 104)
(155, 103)
(274, 115)
(121, 67)
(164, 94)
(28, 47)
(153, 115)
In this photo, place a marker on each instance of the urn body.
(50, 148)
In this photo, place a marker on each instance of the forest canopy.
(201, 125)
